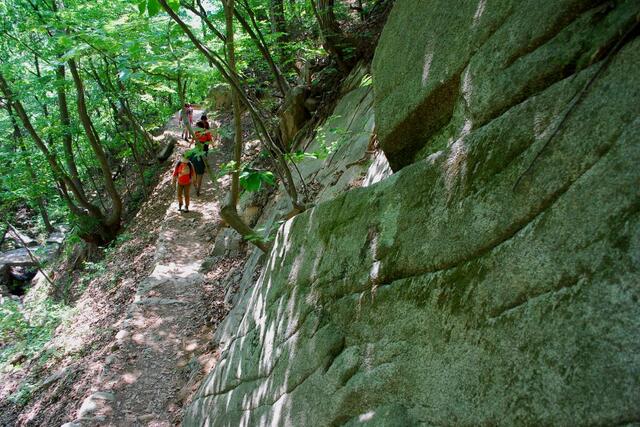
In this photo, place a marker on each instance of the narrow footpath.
(161, 350)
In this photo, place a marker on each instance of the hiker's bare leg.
(198, 184)
(180, 197)
(187, 189)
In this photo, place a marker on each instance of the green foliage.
(227, 168)
(153, 6)
(12, 321)
(250, 179)
(82, 224)
(367, 80)
(198, 152)
(299, 155)
(131, 52)
(92, 270)
(264, 234)
(23, 395)
(329, 140)
(25, 331)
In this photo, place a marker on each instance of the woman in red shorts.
(183, 174)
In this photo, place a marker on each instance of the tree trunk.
(229, 211)
(237, 113)
(334, 40)
(92, 181)
(279, 24)
(67, 143)
(116, 202)
(38, 199)
(232, 78)
(253, 32)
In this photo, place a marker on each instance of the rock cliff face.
(493, 279)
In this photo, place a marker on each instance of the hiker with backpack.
(197, 160)
(203, 133)
(182, 175)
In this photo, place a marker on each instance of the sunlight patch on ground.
(173, 270)
(131, 377)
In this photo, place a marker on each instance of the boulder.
(227, 243)
(18, 263)
(467, 65)
(97, 403)
(20, 239)
(56, 237)
(22, 274)
(294, 114)
(493, 278)
(219, 98)
(166, 151)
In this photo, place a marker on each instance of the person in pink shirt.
(188, 110)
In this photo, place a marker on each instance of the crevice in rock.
(561, 23)
(414, 132)
(554, 75)
(510, 233)
(333, 355)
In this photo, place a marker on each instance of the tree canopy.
(84, 84)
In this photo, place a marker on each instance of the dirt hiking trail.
(162, 348)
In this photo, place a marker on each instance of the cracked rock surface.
(493, 278)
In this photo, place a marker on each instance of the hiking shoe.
(186, 209)
(179, 208)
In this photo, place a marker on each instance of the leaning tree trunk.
(231, 77)
(38, 198)
(112, 222)
(95, 227)
(229, 211)
(67, 139)
(253, 30)
(49, 156)
(332, 36)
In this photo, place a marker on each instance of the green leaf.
(250, 181)
(174, 4)
(268, 177)
(142, 6)
(153, 7)
(367, 80)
